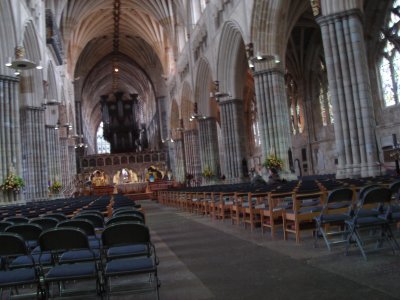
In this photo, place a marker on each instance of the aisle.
(202, 259)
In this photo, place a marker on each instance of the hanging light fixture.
(20, 63)
(115, 62)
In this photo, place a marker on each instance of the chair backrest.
(17, 220)
(4, 225)
(98, 222)
(340, 195)
(366, 188)
(58, 216)
(395, 188)
(123, 208)
(129, 212)
(85, 225)
(125, 218)
(379, 195)
(28, 232)
(61, 239)
(91, 212)
(45, 223)
(125, 233)
(12, 244)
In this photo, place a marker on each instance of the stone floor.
(202, 258)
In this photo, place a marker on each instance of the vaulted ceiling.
(145, 53)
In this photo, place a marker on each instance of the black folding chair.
(29, 232)
(58, 216)
(368, 218)
(59, 241)
(44, 222)
(335, 212)
(87, 227)
(125, 218)
(133, 212)
(4, 225)
(97, 220)
(13, 246)
(17, 220)
(140, 260)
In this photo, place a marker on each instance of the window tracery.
(102, 145)
(389, 65)
(325, 102)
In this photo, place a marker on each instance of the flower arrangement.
(272, 161)
(12, 183)
(207, 172)
(55, 188)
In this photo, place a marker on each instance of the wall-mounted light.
(218, 95)
(195, 115)
(51, 102)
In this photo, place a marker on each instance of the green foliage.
(271, 161)
(12, 183)
(55, 188)
(207, 172)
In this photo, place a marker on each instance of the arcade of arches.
(177, 89)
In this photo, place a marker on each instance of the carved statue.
(316, 7)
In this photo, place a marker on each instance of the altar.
(132, 188)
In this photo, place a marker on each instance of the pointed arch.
(232, 65)
(187, 105)
(204, 85)
(8, 38)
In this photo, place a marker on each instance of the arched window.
(255, 125)
(325, 102)
(296, 113)
(389, 66)
(102, 145)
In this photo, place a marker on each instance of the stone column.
(162, 113)
(179, 160)
(232, 127)
(10, 138)
(273, 113)
(349, 85)
(53, 154)
(208, 144)
(65, 159)
(34, 153)
(192, 153)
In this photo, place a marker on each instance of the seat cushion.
(129, 265)
(26, 261)
(128, 250)
(324, 219)
(79, 255)
(71, 271)
(17, 276)
(337, 205)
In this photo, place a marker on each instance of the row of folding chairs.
(364, 219)
(67, 253)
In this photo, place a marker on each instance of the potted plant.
(55, 188)
(272, 161)
(207, 173)
(12, 183)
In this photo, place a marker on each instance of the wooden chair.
(300, 217)
(224, 205)
(271, 213)
(236, 208)
(251, 215)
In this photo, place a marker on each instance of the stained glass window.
(325, 102)
(102, 145)
(389, 66)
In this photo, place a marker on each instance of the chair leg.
(297, 230)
